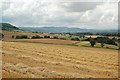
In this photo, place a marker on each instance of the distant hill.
(54, 29)
(7, 26)
(65, 29)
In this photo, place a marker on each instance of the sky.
(44, 13)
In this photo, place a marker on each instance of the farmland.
(62, 39)
(52, 41)
(38, 60)
(57, 40)
(56, 58)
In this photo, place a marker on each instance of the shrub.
(62, 38)
(75, 39)
(81, 36)
(85, 39)
(18, 37)
(22, 37)
(36, 37)
(105, 40)
(46, 36)
(1, 36)
(92, 42)
(102, 45)
(55, 37)
(12, 36)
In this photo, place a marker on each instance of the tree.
(22, 37)
(83, 36)
(55, 37)
(12, 36)
(102, 45)
(46, 36)
(75, 39)
(36, 37)
(1, 36)
(18, 37)
(92, 42)
(106, 40)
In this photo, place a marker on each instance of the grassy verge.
(98, 45)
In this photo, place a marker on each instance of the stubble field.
(47, 41)
(37, 60)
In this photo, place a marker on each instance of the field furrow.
(59, 61)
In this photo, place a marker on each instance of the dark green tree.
(92, 42)
(12, 36)
(46, 36)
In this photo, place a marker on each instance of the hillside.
(54, 29)
(7, 26)
(66, 29)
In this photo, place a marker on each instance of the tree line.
(93, 41)
(102, 41)
(33, 37)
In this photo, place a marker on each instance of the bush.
(92, 42)
(72, 39)
(102, 45)
(36, 37)
(55, 37)
(46, 36)
(85, 39)
(82, 36)
(12, 36)
(22, 37)
(75, 39)
(62, 38)
(18, 37)
(105, 40)
(1, 36)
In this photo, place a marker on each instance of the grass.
(98, 45)
(83, 43)
(79, 43)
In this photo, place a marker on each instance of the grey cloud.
(80, 14)
(80, 6)
(5, 5)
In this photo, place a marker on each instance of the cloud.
(80, 6)
(95, 15)
(103, 16)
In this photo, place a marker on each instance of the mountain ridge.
(52, 29)
(7, 26)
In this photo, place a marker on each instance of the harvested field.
(34, 60)
(53, 41)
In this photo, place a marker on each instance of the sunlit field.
(37, 60)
